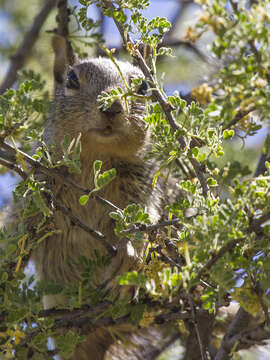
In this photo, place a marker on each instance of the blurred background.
(190, 65)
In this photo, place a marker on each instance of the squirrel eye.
(143, 88)
(72, 80)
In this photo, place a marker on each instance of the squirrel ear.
(63, 57)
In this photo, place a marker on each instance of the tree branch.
(260, 292)
(240, 115)
(19, 58)
(163, 257)
(261, 165)
(81, 321)
(200, 330)
(239, 338)
(13, 167)
(215, 257)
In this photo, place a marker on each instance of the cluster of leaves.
(132, 214)
(241, 43)
(100, 180)
(89, 35)
(23, 111)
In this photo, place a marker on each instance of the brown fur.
(120, 140)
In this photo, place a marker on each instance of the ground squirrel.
(120, 140)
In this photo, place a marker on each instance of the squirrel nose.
(115, 108)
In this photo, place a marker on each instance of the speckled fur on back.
(120, 140)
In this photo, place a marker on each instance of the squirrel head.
(116, 131)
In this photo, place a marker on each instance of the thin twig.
(198, 170)
(163, 257)
(147, 228)
(96, 234)
(167, 259)
(19, 58)
(84, 310)
(104, 201)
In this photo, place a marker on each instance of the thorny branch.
(174, 43)
(89, 311)
(19, 58)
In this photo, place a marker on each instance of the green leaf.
(164, 51)
(195, 151)
(97, 166)
(105, 178)
(116, 215)
(132, 278)
(211, 182)
(201, 157)
(66, 142)
(228, 134)
(84, 199)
